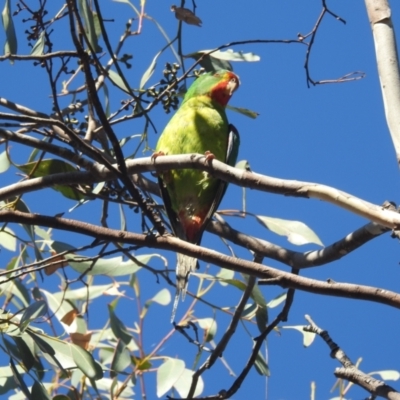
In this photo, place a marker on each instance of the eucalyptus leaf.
(4, 162)
(8, 239)
(36, 310)
(297, 232)
(109, 266)
(38, 48)
(387, 375)
(11, 44)
(308, 337)
(149, 71)
(117, 80)
(261, 365)
(182, 385)
(168, 374)
(50, 167)
(85, 362)
(209, 325)
(121, 359)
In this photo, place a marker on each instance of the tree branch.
(379, 15)
(349, 371)
(272, 275)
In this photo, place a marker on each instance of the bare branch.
(349, 371)
(270, 275)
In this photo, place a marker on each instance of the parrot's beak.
(232, 85)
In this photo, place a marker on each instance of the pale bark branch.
(379, 15)
(270, 275)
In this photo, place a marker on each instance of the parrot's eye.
(233, 80)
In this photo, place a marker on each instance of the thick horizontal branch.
(273, 276)
(252, 180)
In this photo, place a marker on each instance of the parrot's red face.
(222, 91)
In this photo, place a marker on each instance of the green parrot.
(191, 196)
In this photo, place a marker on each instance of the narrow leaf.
(38, 48)
(19, 380)
(297, 232)
(35, 310)
(121, 359)
(388, 375)
(244, 111)
(118, 328)
(117, 80)
(10, 47)
(261, 365)
(149, 71)
(85, 362)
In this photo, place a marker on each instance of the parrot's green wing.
(231, 158)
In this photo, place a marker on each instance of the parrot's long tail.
(184, 267)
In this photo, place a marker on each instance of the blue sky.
(332, 134)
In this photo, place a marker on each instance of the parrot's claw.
(208, 157)
(157, 154)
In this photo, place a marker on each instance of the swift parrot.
(191, 196)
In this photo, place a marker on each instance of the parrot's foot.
(157, 154)
(208, 157)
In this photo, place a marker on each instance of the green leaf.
(39, 392)
(308, 337)
(277, 300)
(243, 164)
(109, 266)
(60, 308)
(130, 4)
(167, 375)
(223, 275)
(297, 232)
(8, 239)
(85, 362)
(245, 111)
(261, 365)
(149, 71)
(163, 297)
(56, 352)
(25, 354)
(210, 63)
(182, 385)
(117, 80)
(388, 375)
(38, 48)
(11, 45)
(51, 167)
(118, 328)
(35, 310)
(4, 162)
(221, 59)
(121, 359)
(209, 325)
(19, 380)
(87, 293)
(89, 18)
